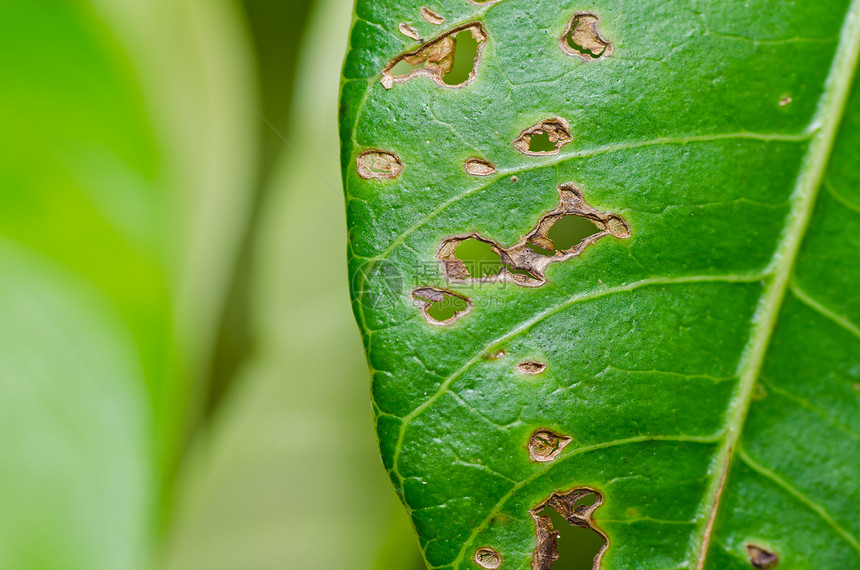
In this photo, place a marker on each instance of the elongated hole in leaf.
(577, 546)
(588, 500)
(447, 308)
(465, 54)
(513, 270)
(439, 306)
(570, 230)
(402, 68)
(479, 258)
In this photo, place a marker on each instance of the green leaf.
(120, 195)
(684, 382)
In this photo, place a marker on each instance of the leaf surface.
(694, 365)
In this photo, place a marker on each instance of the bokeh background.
(182, 385)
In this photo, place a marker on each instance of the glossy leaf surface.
(702, 354)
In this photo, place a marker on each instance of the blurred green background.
(181, 382)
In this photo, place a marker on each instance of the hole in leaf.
(570, 230)
(479, 258)
(441, 307)
(546, 137)
(539, 250)
(450, 60)
(577, 546)
(541, 143)
(446, 309)
(530, 277)
(566, 532)
(465, 53)
(402, 67)
(587, 500)
(582, 38)
(560, 234)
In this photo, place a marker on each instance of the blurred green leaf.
(126, 152)
(287, 476)
(78, 490)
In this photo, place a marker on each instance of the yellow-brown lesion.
(583, 39)
(375, 164)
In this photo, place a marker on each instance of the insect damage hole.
(531, 367)
(582, 38)
(479, 167)
(525, 263)
(545, 138)
(761, 558)
(566, 232)
(441, 307)
(566, 531)
(450, 60)
(488, 558)
(545, 445)
(479, 259)
(378, 165)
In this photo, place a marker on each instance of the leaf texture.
(698, 371)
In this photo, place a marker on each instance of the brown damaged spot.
(545, 138)
(434, 59)
(488, 558)
(378, 165)
(431, 16)
(409, 32)
(762, 558)
(479, 167)
(531, 367)
(523, 263)
(441, 307)
(545, 445)
(582, 38)
(577, 508)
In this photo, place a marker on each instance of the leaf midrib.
(826, 125)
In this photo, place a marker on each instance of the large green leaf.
(694, 367)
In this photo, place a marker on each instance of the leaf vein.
(800, 496)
